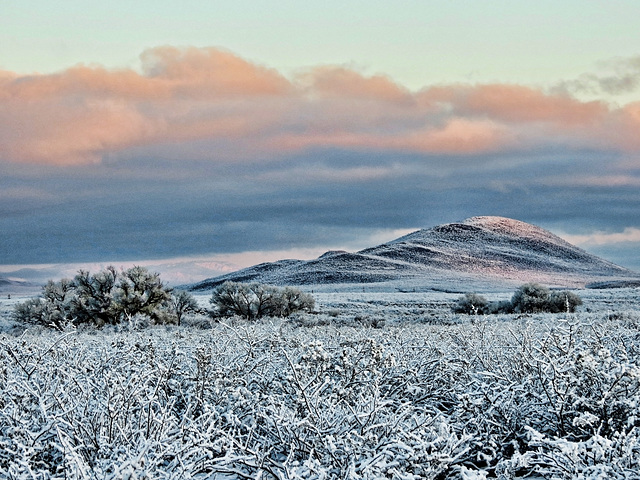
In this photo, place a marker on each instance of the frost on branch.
(255, 300)
(107, 297)
(542, 396)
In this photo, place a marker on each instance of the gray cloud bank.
(145, 209)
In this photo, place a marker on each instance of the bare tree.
(256, 300)
(183, 302)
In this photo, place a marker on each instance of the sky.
(196, 137)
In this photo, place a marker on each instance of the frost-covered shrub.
(516, 398)
(107, 297)
(52, 309)
(369, 321)
(140, 292)
(531, 298)
(289, 300)
(564, 302)
(471, 304)
(535, 298)
(500, 307)
(255, 300)
(569, 387)
(305, 320)
(30, 311)
(183, 303)
(596, 457)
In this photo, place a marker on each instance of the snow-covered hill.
(9, 286)
(479, 254)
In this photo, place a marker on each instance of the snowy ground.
(435, 307)
(373, 385)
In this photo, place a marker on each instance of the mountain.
(477, 254)
(8, 285)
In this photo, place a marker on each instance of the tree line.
(110, 297)
(529, 298)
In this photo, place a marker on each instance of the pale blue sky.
(415, 42)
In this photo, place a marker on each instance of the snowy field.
(371, 385)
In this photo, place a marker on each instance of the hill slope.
(475, 254)
(16, 286)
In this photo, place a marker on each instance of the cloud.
(609, 180)
(204, 72)
(208, 103)
(623, 78)
(333, 81)
(628, 235)
(457, 136)
(516, 103)
(323, 173)
(82, 113)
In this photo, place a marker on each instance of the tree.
(183, 302)
(531, 298)
(140, 292)
(255, 300)
(292, 300)
(57, 307)
(107, 297)
(53, 308)
(93, 299)
(233, 298)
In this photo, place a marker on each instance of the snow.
(424, 394)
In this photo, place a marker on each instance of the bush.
(529, 298)
(255, 300)
(564, 302)
(471, 304)
(141, 292)
(107, 297)
(503, 306)
(534, 298)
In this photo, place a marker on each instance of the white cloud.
(628, 235)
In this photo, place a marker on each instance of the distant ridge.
(478, 253)
(15, 286)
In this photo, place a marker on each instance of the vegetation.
(394, 393)
(183, 303)
(107, 297)
(555, 398)
(471, 304)
(529, 298)
(256, 300)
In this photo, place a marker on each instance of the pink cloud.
(342, 82)
(203, 72)
(629, 127)
(516, 103)
(182, 95)
(460, 136)
(70, 132)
